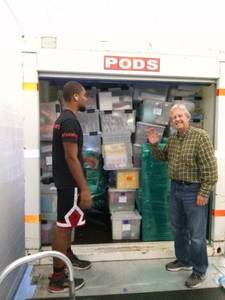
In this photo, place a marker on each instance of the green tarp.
(153, 199)
(96, 179)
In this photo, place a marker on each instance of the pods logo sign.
(132, 63)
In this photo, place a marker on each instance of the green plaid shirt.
(190, 158)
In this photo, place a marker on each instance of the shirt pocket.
(188, 158)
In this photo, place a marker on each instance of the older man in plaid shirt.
(193, 170)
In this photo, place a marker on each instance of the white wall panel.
(31, 151)
(218, 222)
(220, 190)
(11, 159)
(217, 231)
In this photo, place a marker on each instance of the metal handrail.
(40, 255)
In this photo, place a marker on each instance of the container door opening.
(129, 203)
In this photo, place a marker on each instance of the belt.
(181, 182)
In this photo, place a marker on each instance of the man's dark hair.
(71, 88)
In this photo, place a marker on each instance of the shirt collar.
(69, 110)
(183, 136)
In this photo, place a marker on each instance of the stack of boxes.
(125, 219)
(48, 212)
(114, 133)
(114, 123)
(153, 113)
(49, 112)
(89, 121)
(118, 124)
(92, 137)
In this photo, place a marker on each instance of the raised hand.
(153, 136)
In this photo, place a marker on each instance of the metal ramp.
(204, 294)
(134, 280)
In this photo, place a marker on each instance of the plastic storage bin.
(92, 142)
(157, 112)
(126, 225)
(122, 99)
(157, 93)
(48, 114)
(46, 158)
(121, 200)
(89, 121)
(105, 101)
(48, 202)
(117, 151)
(47, 232)
(137, 155)
(112, 121)
(127, 179)
(142, 131)
(117, 156)
(115, 138)
(92, 99)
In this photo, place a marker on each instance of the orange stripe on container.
(32, 218)
(220, 92)
(30, 86)
(218, 213)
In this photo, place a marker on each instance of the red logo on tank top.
(56, 126)
(69, 134)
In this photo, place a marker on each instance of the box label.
(48, 160)
(122, 199)
(157, 111)
(126, 226)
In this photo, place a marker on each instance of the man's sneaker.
(61, 284)
(77, 263)
(175, 266)
(195, 280)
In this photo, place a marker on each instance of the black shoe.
(175, 266)
(194, 280)
(61, 284)
(77, 263)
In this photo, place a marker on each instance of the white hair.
(181, 107)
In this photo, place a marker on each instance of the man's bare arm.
(71, 157)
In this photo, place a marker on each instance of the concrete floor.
(119, 277)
